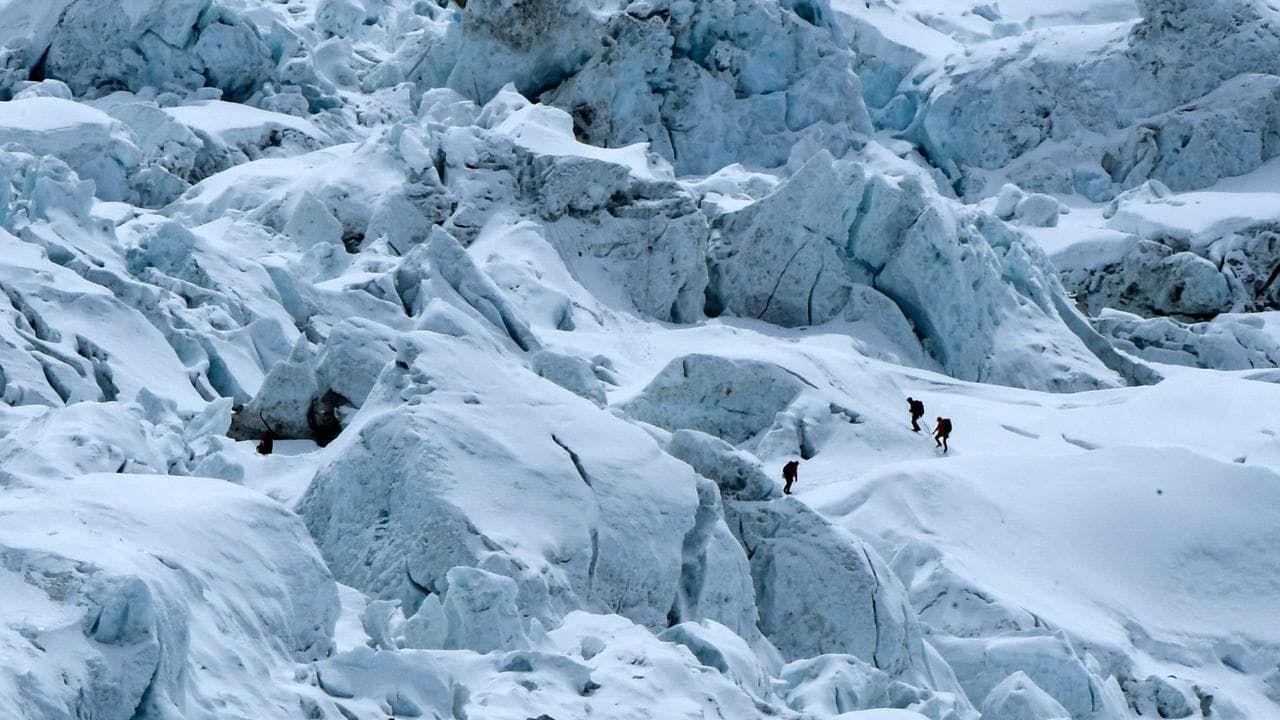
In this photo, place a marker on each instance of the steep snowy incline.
(1144, 514)
(1154, 561)
(401, 358)
(149, 596)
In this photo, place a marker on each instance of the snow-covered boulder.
(1163, 697)
(820, 590)
(427, 628)
(569, 372)
(796, 256)
(232, 134)
(339, 17)
(1007, 201)
(716, 646)
(440, 465)
(284, 403)
(1038, 210)
(1154, 279)
(738, 474)
(43, 88)
(845, 686)
(156, 591)
(729, 399)
(481, 612)
(1227, 342)
(1058, 112)
(155, 43)
(1017, 697)
(615, 215)
(352, 357)
(311, 224)
(96, 146)
(659, 72)
(1230, 131)
(835, 684)
(984, 666)
(780, 259)
(1013, 294)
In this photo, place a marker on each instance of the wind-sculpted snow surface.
(178, 599)
(389, 358)
(1066, 647)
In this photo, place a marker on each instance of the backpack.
(789, 470)
(917, 407)
(944, 426)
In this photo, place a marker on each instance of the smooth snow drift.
(534, 300)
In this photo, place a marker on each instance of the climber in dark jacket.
(917, 411)
(941, 432)
(790, 472)
(268, 441)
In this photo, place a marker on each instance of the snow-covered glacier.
(439, 359)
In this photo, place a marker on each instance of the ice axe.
(266, 423)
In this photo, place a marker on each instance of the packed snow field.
(403, 358)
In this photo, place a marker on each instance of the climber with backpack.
(917, 411)
(790, 472)
(268, 441)
(941, 432)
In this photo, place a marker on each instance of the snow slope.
(531, 302)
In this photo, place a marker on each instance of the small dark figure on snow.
(941, 432)
(917, 411)
(268, 441)
(790, 472)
